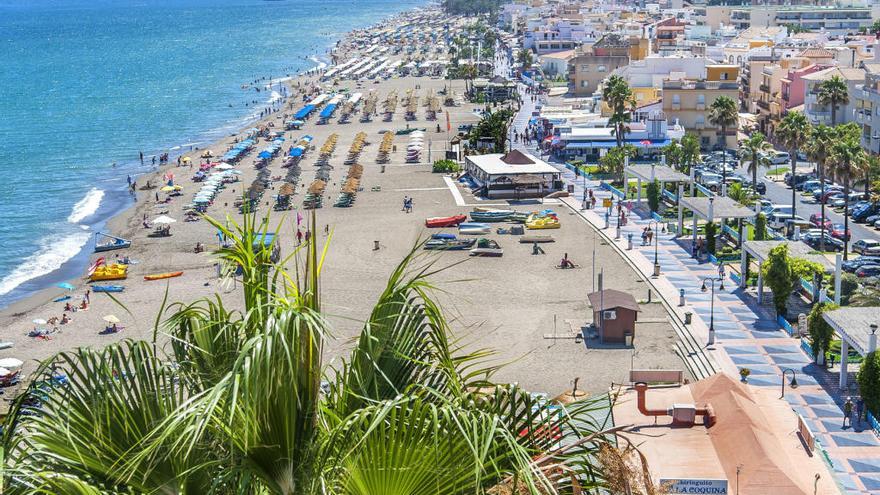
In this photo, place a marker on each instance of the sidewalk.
(747, 336)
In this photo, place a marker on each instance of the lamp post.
(794, 383)
(712, 280)
(656, 242)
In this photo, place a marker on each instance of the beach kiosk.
(614, 316)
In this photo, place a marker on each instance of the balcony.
(764, 88)
(763, 105)
(701, 106)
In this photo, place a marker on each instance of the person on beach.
(299, 237)
(141, 153)
(86, 296)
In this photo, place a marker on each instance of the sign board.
(806, 434)
(700, 487)
(607, 203)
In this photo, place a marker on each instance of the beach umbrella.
(65, 285)
(111, 319)
(186, 159)
(39, 321)
(207, 154)
(163, 220)
(4, 372)
(223, 166)
(10, 363)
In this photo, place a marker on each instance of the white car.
(780, 158)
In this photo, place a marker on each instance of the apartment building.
(821, 114)
(834, 20)
(687, 103)
(867, 111)
(586, 70)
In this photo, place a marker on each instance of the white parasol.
(164, 220)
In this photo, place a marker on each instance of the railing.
(671, 196)
(704, 190)
(726, 229)
(613, 190)
(872, 421)
(785, 325)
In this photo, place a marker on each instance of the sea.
(86, 85)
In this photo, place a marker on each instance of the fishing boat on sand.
(487, 248)
(446, 244)
(160, 276)
(437, 222)
(472, 228)
(107, 242)
(491, 215)
(107, 288)
(530, 239)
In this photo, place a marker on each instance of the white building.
(515, 174)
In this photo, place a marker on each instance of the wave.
(53, 252)
(87, 206)
(320, 63)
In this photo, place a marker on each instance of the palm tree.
(794, 133)
(524, 57)
(468, 72)
(833, 92)
(865, 296)
(672, 152)
(849, 162)
(754, 150)
(236, 404)
(619, 97)
(723, 113)
(818, 149)
(690, 152)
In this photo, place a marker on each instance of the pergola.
(856, 327)
(652, 172)
(710, 209)
(760, 251)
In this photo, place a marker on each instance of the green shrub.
(711, 232)
(849, 284)
(445, 167)
(761, 227)
(820, 331)
(869, 382)
(653, 191)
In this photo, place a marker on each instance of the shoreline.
(117, 203)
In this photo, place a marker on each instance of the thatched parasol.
(317, 187)
(286, 189)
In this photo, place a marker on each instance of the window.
(676, 99)
(602, 68)
(701, 99)
(585, 83)
(724, 76)
(585, 68)
(700, 120)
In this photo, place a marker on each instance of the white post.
(760, 282)
(838, 264)
(695, 228)
(844, 354)
(638, 191)
(743, 265)
(680, 209)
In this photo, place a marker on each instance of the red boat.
(453, 221)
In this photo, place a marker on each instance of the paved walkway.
(747, 336)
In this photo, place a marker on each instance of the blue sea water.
(88, 83)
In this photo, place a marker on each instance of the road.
(779, 193)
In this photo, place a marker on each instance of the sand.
(507, 304)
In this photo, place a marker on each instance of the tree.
(760, 227)
(865, 296)
(821, 333)
(849, 286)
(794, 133)
(833, 92)
(723, 113)
(778, 277)
(672, 152)
(615, 159)
(849, 162)
(820, 143)
(711, 234)
(619, 97)
(653, 192)
(525, 59)
(690, 152)
(445, 166)
(868, 378)
(739, 194)
(796, 29)
(754, 151)
(493, 125)
(235, 403)
(872, 170)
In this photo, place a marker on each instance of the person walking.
(299, 237)
(847, 412)
(721, 271)
(860, 406)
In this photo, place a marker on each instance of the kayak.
(160, 276)
(108, 288)
(452, 221)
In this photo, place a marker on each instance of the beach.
(514, 304)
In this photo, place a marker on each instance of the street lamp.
(656, 242)
(794, 383)
(712, 280)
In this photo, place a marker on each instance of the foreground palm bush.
(234, 403)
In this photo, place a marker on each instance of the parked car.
(822, 197)
(839, 232)
(799, 180)
(813, 239)
(861, 214)
(868, 271)
(840, 201)
(710, 180)
(780, 158)
(866, 247)
(852, 265)
(777, 220)
(759, 187)
(816, 219)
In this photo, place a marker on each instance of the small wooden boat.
(471, 228)
(491, 216)
(529, 239)
(160, 276)
(107, 288)
(487, 248)
(437, 222)
(442, 235)
(449, 244)
(111, 243)
(518, 216)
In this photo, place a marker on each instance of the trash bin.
(571, 189)
(687, 317)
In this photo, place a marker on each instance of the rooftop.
(855, 323)
(514, 162)
(761, 250)
(722, 207)
(610, 298)
(662, 173)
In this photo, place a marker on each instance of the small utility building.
(614, 316)
(514, 175)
